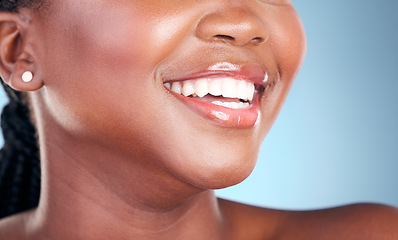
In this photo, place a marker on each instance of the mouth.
(224, 93)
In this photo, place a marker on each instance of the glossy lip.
(252, 73)
(223, 116)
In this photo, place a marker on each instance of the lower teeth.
(233, 105)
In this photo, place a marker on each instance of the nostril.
(236, 26)
(233, 40)
(223, 37)
(258, 40)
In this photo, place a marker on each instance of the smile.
(228, 96)
(226, 92)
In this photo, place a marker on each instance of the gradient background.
(335, 141)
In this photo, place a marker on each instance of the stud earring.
(27, 76)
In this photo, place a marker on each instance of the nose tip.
(234, 26)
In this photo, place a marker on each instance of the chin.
(229, 179)
(224, 176)
(220, 169)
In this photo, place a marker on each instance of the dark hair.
(19, 158)
(13, 5)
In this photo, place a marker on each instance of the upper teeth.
(226, 87)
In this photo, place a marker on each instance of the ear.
(16, 52)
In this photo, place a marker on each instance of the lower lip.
(223, 116)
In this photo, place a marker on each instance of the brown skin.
(122, 158)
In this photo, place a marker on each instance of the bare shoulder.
(357, 221)
(251, 222)
(12, 228)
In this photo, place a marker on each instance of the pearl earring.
(27, 76)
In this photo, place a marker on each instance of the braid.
(19, 158)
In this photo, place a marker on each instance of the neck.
(88, 194)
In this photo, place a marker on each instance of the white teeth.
(251, 89)
(215, 87)
(234, 105)
(242, 92)
(226, 87)
(201, 87)
(187, 88)
(176, 87)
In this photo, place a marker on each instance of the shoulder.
(13, 227)
(357, 221)
(250, 222)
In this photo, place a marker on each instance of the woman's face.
(112, 70)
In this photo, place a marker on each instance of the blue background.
(335, 141)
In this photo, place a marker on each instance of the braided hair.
(19, 157)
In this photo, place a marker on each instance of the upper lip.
(249, 72)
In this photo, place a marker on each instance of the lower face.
(160, 82)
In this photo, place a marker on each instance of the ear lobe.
(18, 81)
(15, 58)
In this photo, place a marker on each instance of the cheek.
(91, 36)
(288, 43)
(110, 39)
(88, 55)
